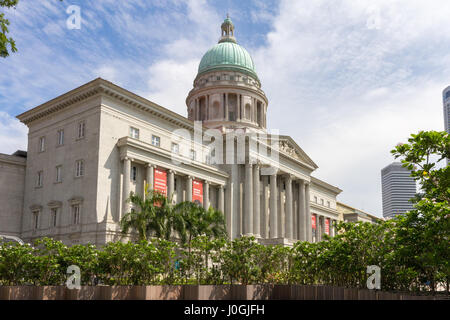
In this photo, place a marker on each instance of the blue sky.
(346, 79)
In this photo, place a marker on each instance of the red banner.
(327, 226)
(313, 221)
(197, 192)
(160, 184)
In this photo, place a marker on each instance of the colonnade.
(320, 230)
(263, 214)
(274, 206)
(239, 109)
(188, 181)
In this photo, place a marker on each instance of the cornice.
(103, 87)
(323, 208)
(196, 91)
(138, 144)
(325, 185)
(5, 158)
(73, 96)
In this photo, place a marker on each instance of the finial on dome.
(227, 30)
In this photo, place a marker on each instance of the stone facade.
(350, 214)
(92, 146)
(12, 187)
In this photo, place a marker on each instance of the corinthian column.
(248, 208)
(256, 202)
(288, 217)
(308, 214)
(273, 228)
(206, 195)
(149, 178)
(265, 208)
(126, 184)
(189, 188)
(171, 184)
(221, 200)
(301, 211)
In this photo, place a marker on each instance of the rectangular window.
(328, 204)
(156, 141)
(35, 221)
(40, 179)
(175, 148)
(134, 173)
(41, 144)
(58, 174)
(60, 137)
(53, 217)
(193, 154)
(134, 133)
(79, 168)
(315, 199)
(76, 214)
(321, 201)
(81, 129)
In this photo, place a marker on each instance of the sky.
(347, 79)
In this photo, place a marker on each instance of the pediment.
(289, 147)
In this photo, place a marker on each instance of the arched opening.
(216, 110)
(232, 106)
(203, 109)
(259, 113)
(248, 110)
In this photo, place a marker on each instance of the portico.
(180, 175)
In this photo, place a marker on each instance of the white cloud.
(353, 91)
(13, 134)
(356, 77)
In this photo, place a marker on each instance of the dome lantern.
(227, 93)
(227, 31)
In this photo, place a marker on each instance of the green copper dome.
(227, 54)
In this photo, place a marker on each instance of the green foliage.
(7, 44)
(412, 250)
(156, 215)
(423, 234)
(149, 216)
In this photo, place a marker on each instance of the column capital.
(206, 182)
(126, 158)
(289, 176)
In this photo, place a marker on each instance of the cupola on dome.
(227, 54)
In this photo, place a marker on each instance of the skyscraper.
(446, 101)
(398, 187)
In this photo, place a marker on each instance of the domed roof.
(227, 56)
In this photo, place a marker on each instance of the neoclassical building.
(92, 146)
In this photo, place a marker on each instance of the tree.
(147, 216)
(423, 234)
(6, 42)
(192, 220)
